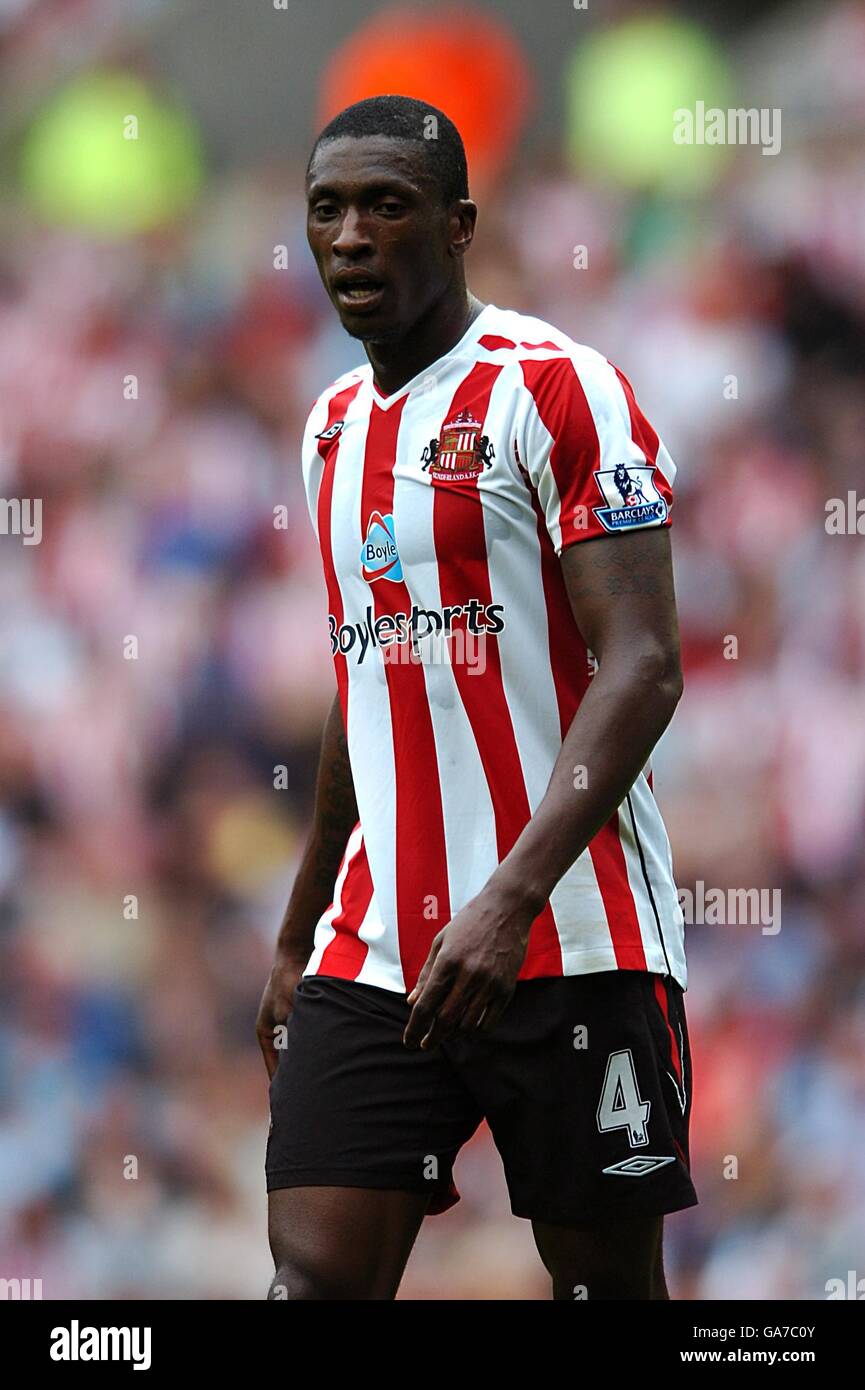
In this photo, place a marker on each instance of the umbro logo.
(332, 430)
(638, 1166)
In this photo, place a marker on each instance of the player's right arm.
(334, 818)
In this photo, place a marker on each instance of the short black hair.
(405, 118)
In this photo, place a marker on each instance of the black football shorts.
(585, 1083)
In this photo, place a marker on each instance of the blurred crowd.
(163, 654)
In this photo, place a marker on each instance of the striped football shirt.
(440, 512)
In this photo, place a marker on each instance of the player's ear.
(463, 219)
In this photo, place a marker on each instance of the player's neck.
(394, 364)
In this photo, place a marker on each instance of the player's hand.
(276, 1004)
(469, 977)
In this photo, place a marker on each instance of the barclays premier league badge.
(631, 497)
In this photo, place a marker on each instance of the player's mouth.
(357, 290)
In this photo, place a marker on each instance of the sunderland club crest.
(460, 451)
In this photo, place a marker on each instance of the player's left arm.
(621, 592)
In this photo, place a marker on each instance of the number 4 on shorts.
(620, 1106)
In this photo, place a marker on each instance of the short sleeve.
(321, 435)
(316, 425)
(597, 464)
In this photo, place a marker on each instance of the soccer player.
(484, 923)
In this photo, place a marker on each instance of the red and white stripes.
(451, 755)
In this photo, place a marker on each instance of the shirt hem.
(591, 961)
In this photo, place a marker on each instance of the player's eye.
(324, 209)
(390, 207)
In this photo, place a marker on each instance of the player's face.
(379, 234)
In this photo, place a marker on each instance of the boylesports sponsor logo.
(421, 623)
(631, 497)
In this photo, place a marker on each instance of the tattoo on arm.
(631, 570)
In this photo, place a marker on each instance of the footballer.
(485, 923)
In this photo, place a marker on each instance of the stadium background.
(154, 776)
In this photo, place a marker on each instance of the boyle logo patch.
(379, 556)
(631, 497)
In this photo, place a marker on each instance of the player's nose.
(353, 238)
